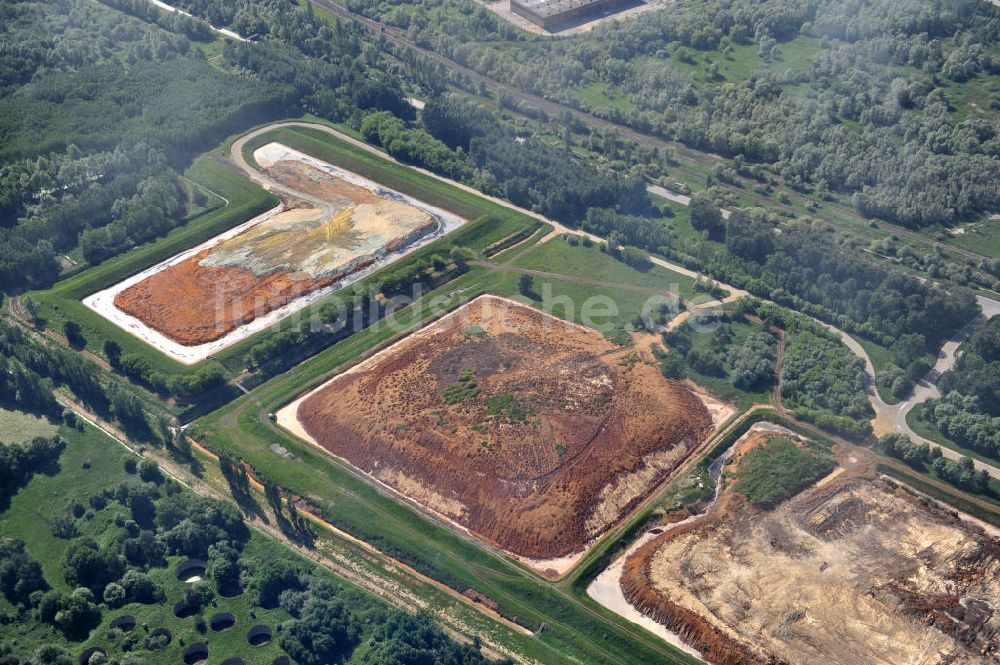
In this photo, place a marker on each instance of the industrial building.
(553, 14)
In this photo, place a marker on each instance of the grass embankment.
(62, 302)
(575, 627)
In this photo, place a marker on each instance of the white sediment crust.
(102, 302)
(606, 589)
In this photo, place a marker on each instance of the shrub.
(778, 470)
(114, 595)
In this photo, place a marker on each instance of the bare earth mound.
(332, 228)
(529, 432)
(850, 571)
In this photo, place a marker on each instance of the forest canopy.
(864, 98)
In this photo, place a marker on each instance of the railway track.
(398, 39)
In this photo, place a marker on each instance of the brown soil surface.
(276, 261)
(598, 433)
(193, 304)
(851, 571)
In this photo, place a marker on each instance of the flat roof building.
(552, 14)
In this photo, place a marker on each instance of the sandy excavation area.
(332, 227)
(852, 571)
(524, 430)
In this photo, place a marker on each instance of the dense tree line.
(823, 382)
(969, 412)
(171, 100)
(414, 145)
(92, 121)
(753, 362)
(961, 473)
(330, 68)
(963, 419)
(801, 267)
(34, 362)
(138, 368)
(536, 175)
(325, 629)
(873, 97)
(30, 370)
(525, 170)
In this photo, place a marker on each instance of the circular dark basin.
(195, 653)
(186, 570)
(124, 623)
(230, 590)
(234, 661)
(182, 610)
(158, 639)
(259, 635)
(222, 621)
(87, 653)
(282, 660)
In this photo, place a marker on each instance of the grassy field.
(972, 98)
(605, 309)
(491, 224)
(590, 263)
(18, 426)
(676, 217)
(598, 95)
